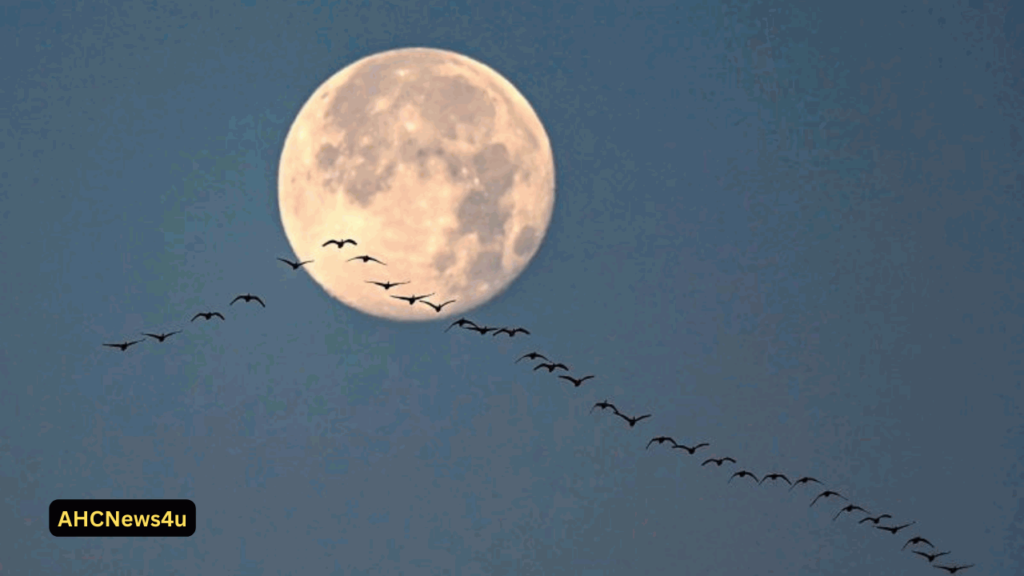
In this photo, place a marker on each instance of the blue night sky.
(790, 229)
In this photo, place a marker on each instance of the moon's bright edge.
(435, 164)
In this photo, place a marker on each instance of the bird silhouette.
(550, 366)
(875, 519)
(340, 243)
(827, 494)
(603, 405)
(461, 323)
(804, 480)
(743, 474)
(295, 265)
(386, 285)
(931, 557)
(848, 508)
(161, 337)
(661, 440)
(437, 307)
(367, 259)
(776, 476)
(630, 419)
(953, 569)
(917, 540)
(532, 356)
(124, 346)
(718, 461)
(512, 332)
(894, 529)
(412, 299)
(691, 449)
(576, 382)
(248, 298)
(482, 330)
(207, 316)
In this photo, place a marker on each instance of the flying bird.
(482, 330)
(827, 494)
(386, 285)
(718, 461)
(295, 265)
(577, 382)
(953, 569)
(917, 540)
(894, 529)
(340, 243)
(532, 356)
(512, 332)
(661, 440)
(931, 557)
(848, 508)
(691, 449)
(123, 345)
(437, 307)
(550, 367)
(776, 476)
(412, 299)
(804, 480)
(874, 519)
(248, 298)
(461, 323)
(207, 315)
(367, 259)
(742, 474)
(604, 405)
(632, 420)
(161, 337)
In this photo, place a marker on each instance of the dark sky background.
(790, 229)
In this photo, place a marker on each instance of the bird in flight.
(804, 480)
(479, 329)
(875, 519)
(742, 474)
(123, 345)
(549, 366)
(437, 307)
(604, 405)
(248, 298)
(894, 529)
(161, 337)
(207, 315)
(776, 476)
(366, 259)
(412, 299)
(340, 243)
(461, 323)
(718, 461)
(691, 449)
(532, 356)
(661, 440)
(848, 508)
(917, 540)
(931, 557)
(953, 569)
(632, 420)
(512, 331)
(577, 382)
(827, 494)
(295, 265)
(386, 285)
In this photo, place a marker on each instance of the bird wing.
(400, 297)
(218, 315)
(196, 316)
(350, 241)
(443, 304)
(113, 345)
(257, 298)
(287, 262)
(371, 258)
(652, 440)
(708, 461)
(783, 476)
(539, 366)
(237, 298)
(569, 378)
(523, 330)
(133, 342)
(585, 378)
(560, 365)
(816, 498)
(642, 417)
(328, 243)
(701, 445)
(154, 335)
(729, 459)
(354, 258)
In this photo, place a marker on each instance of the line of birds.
(551, 366)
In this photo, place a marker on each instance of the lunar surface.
(435, 164)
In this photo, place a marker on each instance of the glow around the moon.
(435, 164)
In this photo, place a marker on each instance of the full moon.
(434, 164)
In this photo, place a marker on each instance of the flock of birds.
(914, 543)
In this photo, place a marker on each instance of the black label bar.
(122, 518)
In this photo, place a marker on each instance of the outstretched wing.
(237, 298)
(257, 298)
(218, 315)
(329, 242)
(642, 417)
(288, 262)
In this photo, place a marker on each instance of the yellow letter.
(92, 518)
(167, 518)
(84, 517)
(180, 521)
(126, 521)
(114, 518)
(142, 520)
(64, 518)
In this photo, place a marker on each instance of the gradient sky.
(791, 229)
